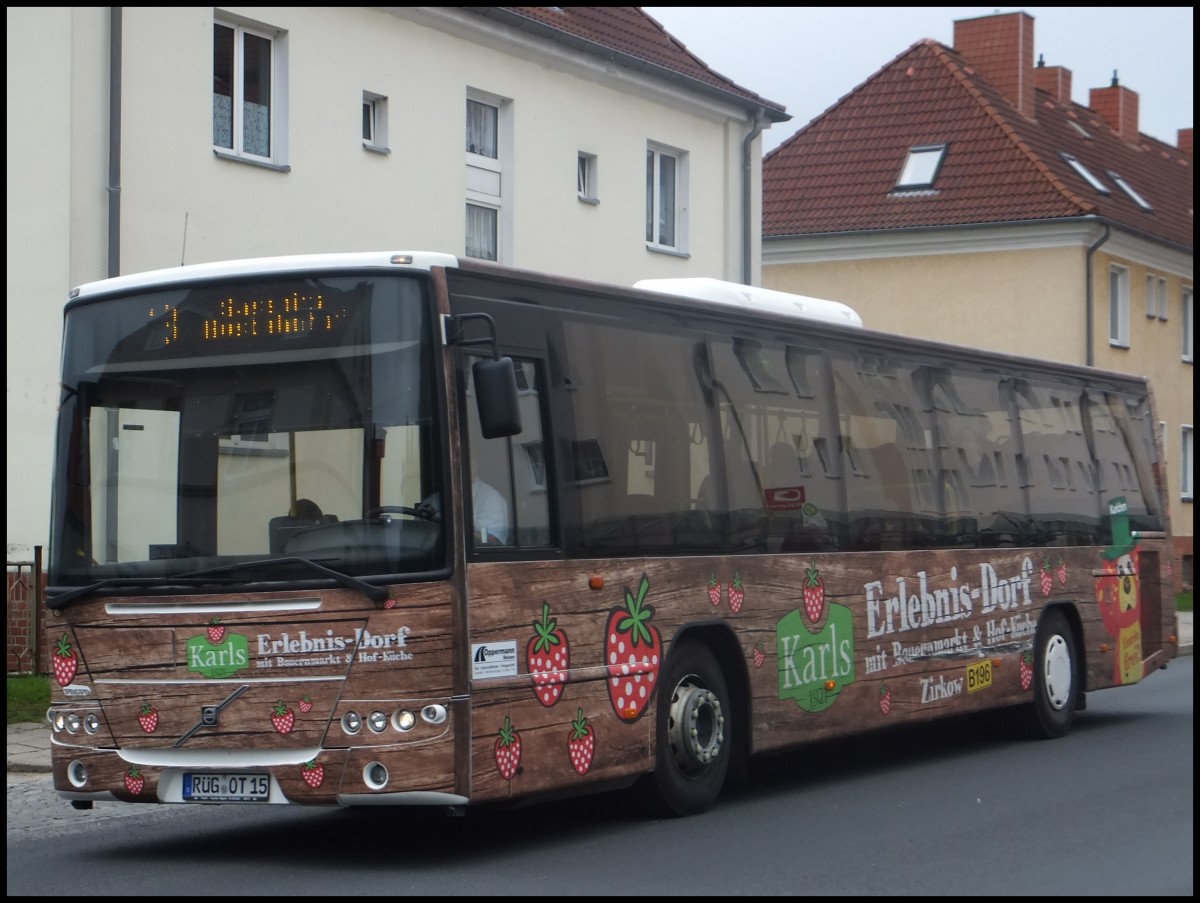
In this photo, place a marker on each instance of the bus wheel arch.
(1058, 673)
(701, 720)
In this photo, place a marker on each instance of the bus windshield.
(213, 423)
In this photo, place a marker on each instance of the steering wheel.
(420, 512)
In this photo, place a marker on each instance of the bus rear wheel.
(1056, 683)
(693, 732)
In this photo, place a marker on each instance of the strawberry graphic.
(548, 655)
(1061, 571)
(581, 744)
(65, 661)
(148, 718)
(814, 593)
(391, 602)
(736, 593)
(1047, 577)
(885, 699)
(216, 633)
(633, 652)
(305, 704)
(134, 782)
(760, 654)
(508, 750)
(283, 718)
(313, 774)
(1026, 670)
(714, 590)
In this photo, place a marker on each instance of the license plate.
(232, 788)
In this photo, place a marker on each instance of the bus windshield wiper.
(370, 590)
(215, 576)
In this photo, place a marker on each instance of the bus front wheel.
(1056, 685)
(694, 731)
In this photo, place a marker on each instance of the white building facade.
(148, 138)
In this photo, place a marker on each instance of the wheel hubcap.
(697, 727)
(1057, 672)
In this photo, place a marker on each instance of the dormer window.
(1085, 173)
(921, 167)
(1129, 190)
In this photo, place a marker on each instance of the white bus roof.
(421, 260)
(752, 297)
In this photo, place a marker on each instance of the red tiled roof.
(838, 173)
(638, 37)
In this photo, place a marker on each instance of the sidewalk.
(29, 744)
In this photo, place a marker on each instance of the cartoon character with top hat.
(1118, 597)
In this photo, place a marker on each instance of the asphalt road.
(959, 808)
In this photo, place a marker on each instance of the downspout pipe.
(1090, 357)
(114, 141)
(748, 207)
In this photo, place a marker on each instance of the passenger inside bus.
(489, 507)
(491, 513)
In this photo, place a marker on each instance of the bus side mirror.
(496, 397)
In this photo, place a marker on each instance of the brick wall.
(26, 586)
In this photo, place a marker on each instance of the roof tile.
(838, 173)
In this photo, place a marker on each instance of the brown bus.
(403, 529)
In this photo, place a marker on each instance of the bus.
(403, 529)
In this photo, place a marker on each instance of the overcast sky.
(808, 57)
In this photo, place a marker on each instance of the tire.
(694, 732)
(1056, 680)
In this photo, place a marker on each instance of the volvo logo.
(210, 715)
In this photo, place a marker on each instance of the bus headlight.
(403, 720)
(434, 714)
(351, 723)
(377, 721)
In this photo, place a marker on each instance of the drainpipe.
(114, 141)
(747, 207)
(1091, 353)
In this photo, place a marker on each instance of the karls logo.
(219, 660)
(815, 665)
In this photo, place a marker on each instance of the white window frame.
(921, 167)
(1156, 297)
(1086, 174)
(277, 116)
(1185, 462)
(1118, 306)
(1185, 310)
(1129, 190)
(375, 122)
(656, 189)
(586, 178)
(486, 181)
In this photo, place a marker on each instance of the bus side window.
(508, 489)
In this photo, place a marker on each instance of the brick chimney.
(1185, 141)
(1000, 48)
(1119, 108)
(1054, 80)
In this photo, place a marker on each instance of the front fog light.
(77, 774)
(375, 775)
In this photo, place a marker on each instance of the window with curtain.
(243, 86)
